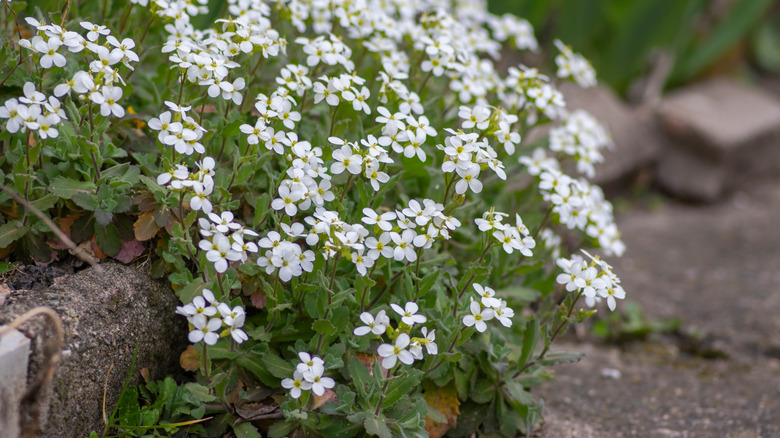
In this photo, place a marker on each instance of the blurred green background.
(703, 37)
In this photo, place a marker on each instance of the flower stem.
(384, 389)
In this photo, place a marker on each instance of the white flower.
(428, 341)
(220, 253)
(288, 197)
(200, 200)
(478, 317)
(108, 99)
(205, 331)
(395, 352)
(404, 246)
(371, 217)
(409, 314)
(504, 313)
(296, 384)
(49, 51)
(487, 296)
(31, 95)
(308, 362)
(470, 180)
(373, 325)
(319, 383)
(46, 126)
(95, 30)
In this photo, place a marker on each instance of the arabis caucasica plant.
(362, 233)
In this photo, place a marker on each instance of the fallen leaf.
(258, 299)
(145, 227)
(190, 359)
(320, 400)
(129, 250)
(95, 249)
(445, 400)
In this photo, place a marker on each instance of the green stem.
(554, 336)
(384, 389)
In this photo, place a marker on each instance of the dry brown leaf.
(258, 299)
(145, 227)
(95, 250)
(320, 400)
(190, 359)
(445, 400)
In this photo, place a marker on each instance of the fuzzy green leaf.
(66, 187)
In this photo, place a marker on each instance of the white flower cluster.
(526, 89)
(206, 57)
(582, 137)
(284, 255)
(33, 112)
(400, 235)
(208, 316)
(487, 308)
(508, 27)
(200, 183)
(404, 348)
(595, 284)
(224, 240)
(575, 66)
(328, 50)
(510, 237)
(308, 376)
(578, 204)
(100, 83)
(178, 130)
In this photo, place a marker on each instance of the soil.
(715, 268)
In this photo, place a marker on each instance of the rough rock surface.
(733, 131)
(715, 268)
(105, 316)
(634, 132)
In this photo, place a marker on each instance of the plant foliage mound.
(343, 193)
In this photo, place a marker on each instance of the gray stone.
(634, 132)
(14, 350)
(105, 316)
(733, 130)
(713, 267)
(691, 176)
(720, 116)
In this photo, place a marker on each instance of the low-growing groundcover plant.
(343, 193)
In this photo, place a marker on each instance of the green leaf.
(66, 187)
(199, 392)
(360, 378)
(531, 337)
(559, 357)
(83, 228)
(45, 202)
(518, 393)
(324, 327)
(484, 391)
(246, 430)
(400, 386)
(740, 19)
(86, 201)
(103, 217)
(108, 239)
(376, 425)
(277, 366)
(12, 231)
(282, 429)
(427, 282)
